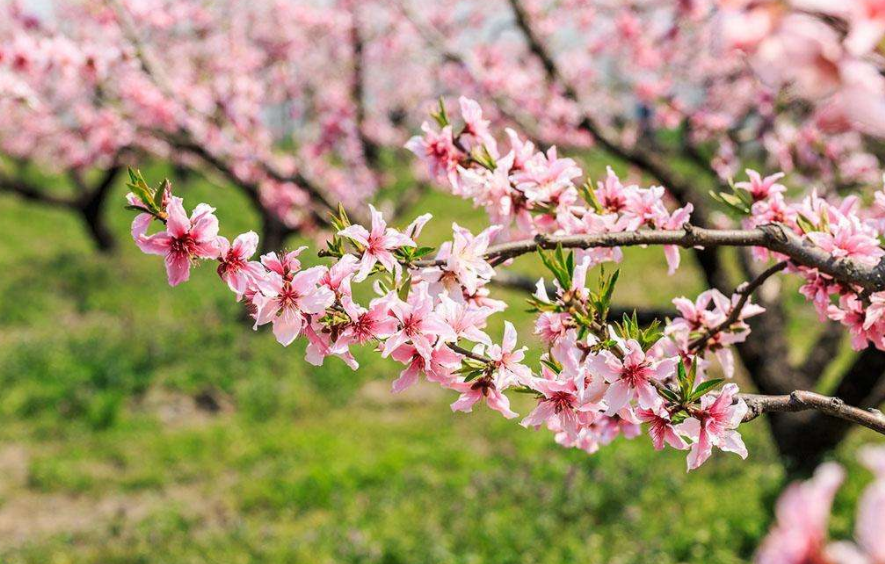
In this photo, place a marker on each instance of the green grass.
(105, 456)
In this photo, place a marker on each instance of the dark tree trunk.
(96, 226)
(273, 233)
(91, 208)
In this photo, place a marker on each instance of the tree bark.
(273, 233)
(91, 209)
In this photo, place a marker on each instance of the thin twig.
(735, 314)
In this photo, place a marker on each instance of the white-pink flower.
(286, 302)
(660, 428)
(715, 424)
(235, 268)
(436, 149)
(632, 376)
(508, 359)
(377, 245)
(762, 188)
(803, 513)
(419, 324)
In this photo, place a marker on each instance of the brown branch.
(27, 191)
(744, 291)
(774, 237)
(811, 401)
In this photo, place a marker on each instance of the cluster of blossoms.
(799, 533)
(537, 193)
(597, 379)
(844, 229)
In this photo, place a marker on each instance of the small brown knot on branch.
(775, 232)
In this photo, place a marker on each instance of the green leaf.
(473, 375)
(609, 289)
(805, 224)
(140, 188)
(589, 194)
(669, 394)
(682, 378)
(440, 115)
(552, 365)
(705, 387)
(160, 191)
(422, 252)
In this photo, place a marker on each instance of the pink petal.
(178, 268)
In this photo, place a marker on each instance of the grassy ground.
(144, 424)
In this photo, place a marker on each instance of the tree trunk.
(96, 226)
(273, 233)
(91, 209)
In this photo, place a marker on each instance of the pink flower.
(418, 324)
(319, 346)
(338, 276)
(374, 323)
(611, 193)
(437, 150)
(852, 313)
(761, 188)
(476, 126)
(508, 358)
(875, 311)
(465, 259)
(438, 368)
(630, 377)
(802, 512)
(560, 404)
(236, 269)
(286, 302)
(184, 239)
(546, 178)
(660, 428)
(869, 531)
(676, 220)
(714, 425)
(551, 327)
(466, 319)
(377, 245)
(847, 239)
(866, 19)
(485, 387)
(285, 266)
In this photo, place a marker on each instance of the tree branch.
(30, 192)
(811, 401)
(774, 237)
